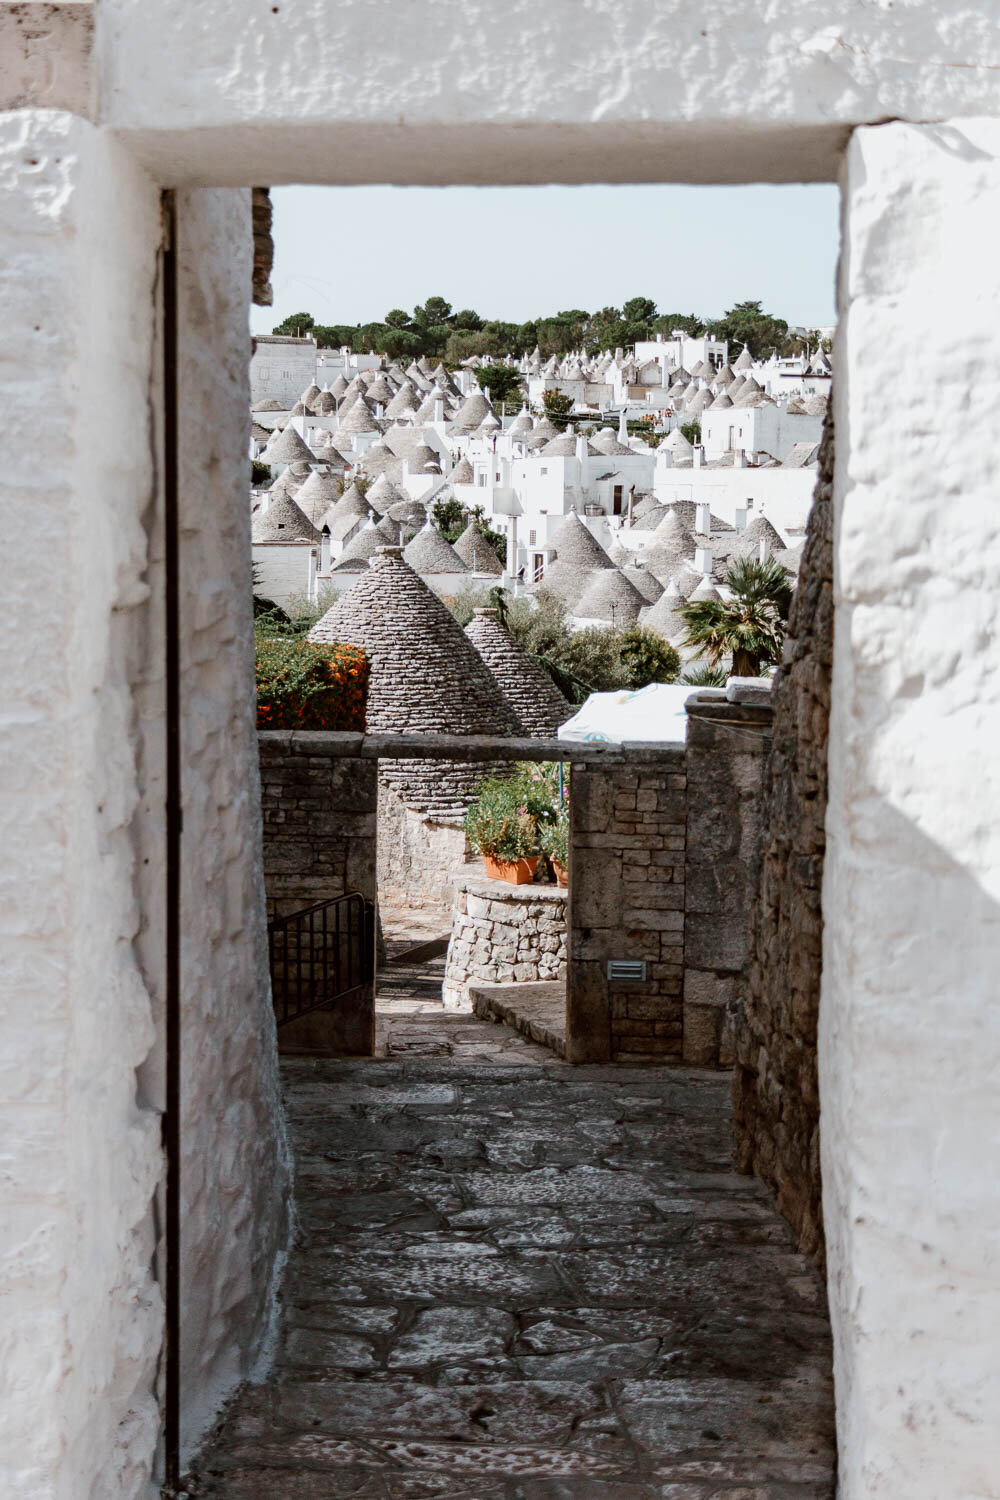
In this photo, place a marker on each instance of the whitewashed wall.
(909, 1020)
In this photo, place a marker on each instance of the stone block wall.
(319, 818)
(417, 855)
(775, 1086)
(503, 934)
(727, 750)
(628, 821)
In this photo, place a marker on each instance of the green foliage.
(504, 382)
(512, 815)
(688, 323)
(553, 839)
(557, 408)
(301, 685)
(468, 599)
(647, 657)
(451, 518)
(692, 431)
(260, 474)
(749, 628)
(297, 326)
(397, 317)
(705, 677)
(748, 324)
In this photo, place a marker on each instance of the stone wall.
(503, 934)
(727, 749)
(775, 1088)
(319, 817)
(417, 855)
(626, 900)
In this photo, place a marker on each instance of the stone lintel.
(472, 748)
(46, 47)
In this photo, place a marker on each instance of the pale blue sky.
(348, 255)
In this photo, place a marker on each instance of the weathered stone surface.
(776, 1097)
(567, 1292)
(503, 932)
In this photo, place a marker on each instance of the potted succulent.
(502, 829)
(554, 841)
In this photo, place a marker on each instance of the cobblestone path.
(530, 1282)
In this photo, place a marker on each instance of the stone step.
(537, 1010)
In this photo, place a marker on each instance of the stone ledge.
(476, 884)
(537, 1010)
(469, 747)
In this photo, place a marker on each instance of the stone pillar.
(909, 1032)
(727, 747)
(319, 815)
(626, 901)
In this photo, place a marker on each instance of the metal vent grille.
(633, 969)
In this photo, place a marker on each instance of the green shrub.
(301, 685)
(647, 657)
(553, 839)
(498, 823)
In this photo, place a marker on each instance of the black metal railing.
(321, 954)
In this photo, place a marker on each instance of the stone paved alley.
(519, 1279)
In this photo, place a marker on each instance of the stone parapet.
(503, 934)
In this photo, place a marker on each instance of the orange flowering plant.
(301, 685)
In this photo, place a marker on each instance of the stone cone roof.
(463, 472)
(383, 494)
(355, 556)
(721, 401)
(606, 442)
(725, 376)
(283, 521)
(422, 458)
(573, 543)
(380, 390)
(426, 677)
(359, 418)
(610, 596)
(521, 424)
(676, 443)
(338, 388)
(430, 553)
(325, 404)
(476, 552)
(663, 616)
(472, 410)
(288, 448)
(268, 404)
(699, 402)
(352, 503)
(403, 401)
(317, 495)
(537, 703)
(641, 578)
(759, 530)
(671, 548)
(748, 391)
(745, 362)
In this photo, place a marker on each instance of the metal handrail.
(320, 954)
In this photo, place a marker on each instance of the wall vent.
(633, 969)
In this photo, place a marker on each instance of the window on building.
(496, 479)
(482, 480)
(531, 538)
(617, 505)
(543, 471)
(537, 567)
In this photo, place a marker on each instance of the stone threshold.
(537, 1010)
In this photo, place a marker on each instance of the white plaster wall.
(910, 1025)
(79, 1145)
(783, 495)
(236, 1163)
(461, 90)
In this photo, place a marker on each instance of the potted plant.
(554, 841)
(501, 828)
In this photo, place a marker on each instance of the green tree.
(397, 317)
(299, 324)
(468, 319)
(639, 310)
(748, 324)
(450, 517)
(557, 408)
(692, 431)
(505, 383)
(434, 310)
(748, 628)
(647, 657)
(688, 323)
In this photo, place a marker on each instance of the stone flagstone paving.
(530, 1282)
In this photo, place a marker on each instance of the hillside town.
(625, 482)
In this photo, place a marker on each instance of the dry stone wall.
(776, 1096)
(418, 854)
(627, 851)
(503, 934)
(727, 750)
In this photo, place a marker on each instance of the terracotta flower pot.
(561, 873)
(514, 871)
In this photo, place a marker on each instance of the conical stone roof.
(610, 596)
(537, 703)
(361, 547)
(705, 593)
(606, 442)
(287, 448)
(573, 543)
(641, 578)
(317, 495)
(663, 616)
(403, 401)
(426, 677)
(283, 521)
(383, 494)
(472, 411)
(359, 418)
(430, 553)
(476, 552)
(463, 472)
(670, 549)
(759, 530)
(745, 362)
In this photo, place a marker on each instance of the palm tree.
(750, 626)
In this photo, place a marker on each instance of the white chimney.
(623, 428)
(703, 561)
(763, 551)
(439, 410)
(740, 461)
(740, 518)
(324, 552)
(699, 455)
(703, 519)
(311, 584)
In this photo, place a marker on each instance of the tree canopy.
(435, 330)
